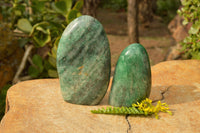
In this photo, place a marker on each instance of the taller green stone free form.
(132, 78)
(83, 62)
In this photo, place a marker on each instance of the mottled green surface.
(132, 78)
(83, 61)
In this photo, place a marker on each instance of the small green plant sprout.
(143, 108)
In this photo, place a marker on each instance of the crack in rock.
(162, 98)
(7, 105)
(129, 125)
(162, 94)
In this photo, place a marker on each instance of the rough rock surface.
(178, 84)
(37, 106)
(179, 32)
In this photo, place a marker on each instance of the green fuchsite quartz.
(132, 78)
(83, 61)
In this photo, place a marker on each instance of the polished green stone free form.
(132, 78)
(83, 62)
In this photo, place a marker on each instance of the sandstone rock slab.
(178, 84)
(37, 106)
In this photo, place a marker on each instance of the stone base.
(36, 106)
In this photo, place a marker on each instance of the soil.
(154, 36)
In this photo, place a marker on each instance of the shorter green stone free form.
(132, 78)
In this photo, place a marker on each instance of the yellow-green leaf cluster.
(148, 108)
